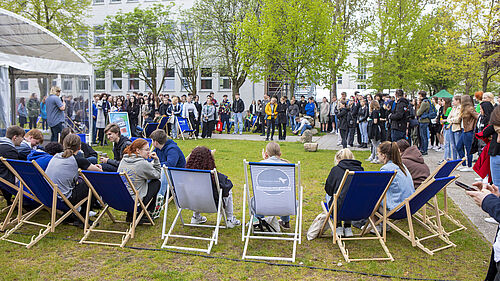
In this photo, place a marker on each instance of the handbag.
(219, 126)
(315, 227)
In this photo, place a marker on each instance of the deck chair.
(442, 171)
(33, 177)
(149, 128)
(146, 139)
(184, 127)
(83, 137)
(275, 187)
(110, 189)
(27, 196)
(193, 190)
(410, 206)
(163, 123)
(361, 194)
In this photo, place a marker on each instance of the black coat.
(399, 118)
(362, 114)
(238, 106)
(118, 151)
(374, 131)
(8, 151)
(282, 107)
(342, 117)
(335, 177)
(224, 183)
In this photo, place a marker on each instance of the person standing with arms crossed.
(55, 112)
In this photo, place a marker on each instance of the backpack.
(431, 113)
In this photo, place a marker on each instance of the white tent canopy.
(29, 50)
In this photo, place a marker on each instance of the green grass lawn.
(60, 257)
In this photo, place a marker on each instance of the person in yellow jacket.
(271, 113)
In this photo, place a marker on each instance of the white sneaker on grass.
(348, 232)
(200, 220)
(232, 222)
(340, 231)
(92, 213)
(369, 159)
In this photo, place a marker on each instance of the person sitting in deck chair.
(43, 157)
(413, 160)
(13, 137)
(145, 175)
(120, 142)
(344, 160)
(32, 139)
(63, 171)
(201, 158)
(87, 150)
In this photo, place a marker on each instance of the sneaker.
(348, 232)
(440, 161)
(92, 213)
(491, 220)
(375, 161)
(232, 222)
(369, 159)
(467, 169)
(200, 220)
(285, 225)
(340, 231)
(267, 139)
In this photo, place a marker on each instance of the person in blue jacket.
(170, 155)
(42, 158)
(311, 109)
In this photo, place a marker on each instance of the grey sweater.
(139, 171)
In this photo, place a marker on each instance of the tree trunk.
(235, 87)
(333, 90)
(42, 85)
(292, 90)
(485, 78)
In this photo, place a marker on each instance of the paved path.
(256, 137)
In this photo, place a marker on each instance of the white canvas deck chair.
(411, 205)
(22, 196)
(361, 194)
(442, 171)
(193, 190)
(276, 192)
(33, 177)
(110, 189)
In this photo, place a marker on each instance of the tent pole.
(90, 114)
(12, 97)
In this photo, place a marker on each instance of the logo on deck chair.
(273, 181)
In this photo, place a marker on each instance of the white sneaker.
(466, 169)
(348, 232)
(200, 220)
(232, 222)
(340, 231)
(369, 159)
(375, 161)
(92, 213)
(491, 220)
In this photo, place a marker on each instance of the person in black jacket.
(343, 122)
(282, 118)
(363, 122)
(374, 131)
(302, 105)
(344, 160)
(399, 118)
(88, 152)
(238, 108)
(133, 110)
(119, 144)
(13, 137)
(351, 125)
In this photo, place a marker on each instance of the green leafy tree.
(139, 42)
(220, 19)
(289, 40)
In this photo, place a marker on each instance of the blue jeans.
(448, 144)
(465, 142)
(495, 169)
(224, 118)
(397, 135)
(94, 131)
(164, 183)
(292, 123)
(238, 122)
(455, 136)
(174, 129)
(306, 127)
(424, 136)
(363, 128)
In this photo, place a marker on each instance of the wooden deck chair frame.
(181, 132)
(162, 123)
(430, 220)
(215, 234)
(411, 236)
(296, 235)
(136, 217)
(340, 241)
(20, 192)
(54, 222)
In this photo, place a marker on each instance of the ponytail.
(71, 144)
(391, 151)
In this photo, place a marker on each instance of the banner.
(121, 119)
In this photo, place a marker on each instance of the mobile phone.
(466, 187)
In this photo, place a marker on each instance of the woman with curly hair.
(201, 158)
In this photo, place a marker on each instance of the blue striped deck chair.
(277, 191)
(83, 137)
(442, 171)
(358, 198)
(411, 205)
(110, 189)
(163, 123)
(184, 127)
(27, 198)
(33, 177)
(148, 129)
(150, 141)
(193, 190)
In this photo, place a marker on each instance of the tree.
(63, 18)
(289, 40)
(220, 19)
(139, 42)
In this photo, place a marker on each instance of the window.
(98, 2)
(186, 72)
(133, 81)
(83, 85)
(83, 40)
(116, 79)
(169, 83)
(54, 82)
(339, 79)
(100, 83)
(361, 86)
(115, 1)
(206, 79)
(224, 80)
(23, 85)
(67, 84)
(98, 35)
(361, 69)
